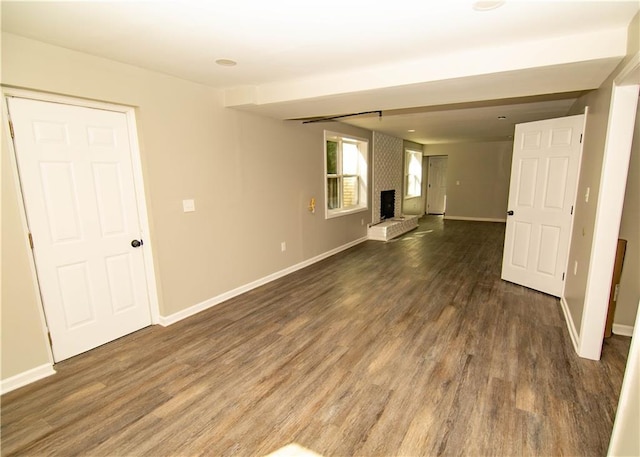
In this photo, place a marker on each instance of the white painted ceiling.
(453, 68)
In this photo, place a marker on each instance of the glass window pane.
(349, 191)
(414, 174)
(346, 177)
(413, 186)
(332, 193)
(415, 165)
(332, 157)
(350, 155)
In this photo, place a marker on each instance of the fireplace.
(387, 204)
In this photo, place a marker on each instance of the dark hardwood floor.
(411, 347)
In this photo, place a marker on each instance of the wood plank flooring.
(412, 347)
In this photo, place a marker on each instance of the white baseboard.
(26, 377)
(477, 219)
(570, 325)
(173, 318)
(624, 330)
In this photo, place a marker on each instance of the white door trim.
(613, 179)
(626, 420)
(138, 181)
(24, 377)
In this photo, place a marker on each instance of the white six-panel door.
(544, 173)
(437, 182)
(76, 175)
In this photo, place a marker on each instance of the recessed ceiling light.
(411, 130)
(502, 118)
(226, 62)
(487, 5)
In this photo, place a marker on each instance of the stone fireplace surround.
(387, 175)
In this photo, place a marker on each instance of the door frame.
(138, 183)
(615, 166)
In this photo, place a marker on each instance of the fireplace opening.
(387, 204)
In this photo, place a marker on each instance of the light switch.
(188, 206)
(457, 183)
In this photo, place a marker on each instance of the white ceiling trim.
(533, 55)
(577, 76)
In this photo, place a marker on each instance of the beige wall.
(585, 212)
(251, 178)
(21, 318)
(483, 170)
(599, 102)
(633, 32)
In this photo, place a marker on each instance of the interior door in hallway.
(437, 185)
(542, 192)
(77, 183)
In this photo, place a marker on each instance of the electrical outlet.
(283, 246)
(188, 206)
(361, 221)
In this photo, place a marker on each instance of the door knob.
(509, 213)
(136, 243)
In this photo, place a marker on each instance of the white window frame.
(407, 156)
(363, 160)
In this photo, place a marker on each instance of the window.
(346, 174)
(412, 173)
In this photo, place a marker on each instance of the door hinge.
(563, 276)
(30, 240)
(11, 129)
(581, 138)
(50, 340)
(572, 209)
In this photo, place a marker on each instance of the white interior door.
(77, 182)
(437, 185)
(542, 192)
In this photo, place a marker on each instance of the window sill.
(330, 214)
